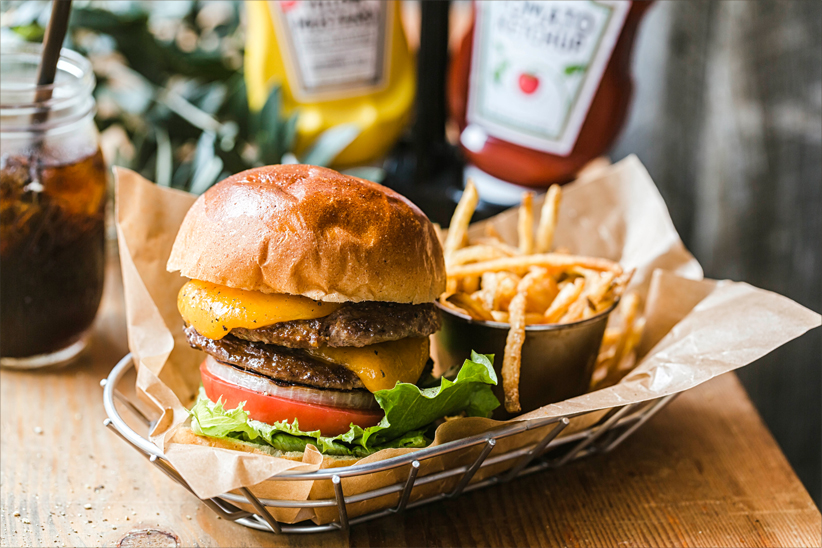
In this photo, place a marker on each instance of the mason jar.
(52, 209)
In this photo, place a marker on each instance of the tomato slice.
(331, 421)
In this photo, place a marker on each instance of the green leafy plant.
(170, 90)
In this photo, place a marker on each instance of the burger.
(311, 293)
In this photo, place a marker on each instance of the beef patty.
(354, 324)
(283, 365)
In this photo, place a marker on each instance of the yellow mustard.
(338, 63)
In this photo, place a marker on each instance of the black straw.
(53, 42)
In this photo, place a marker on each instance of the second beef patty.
(282, 365)
(354, 324)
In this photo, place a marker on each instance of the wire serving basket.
(548, 452)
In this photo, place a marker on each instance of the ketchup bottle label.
(536, 67)
(334, 48)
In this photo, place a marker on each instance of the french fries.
(556, 263)
(469, 305)
(458, 229)
(509, 250)
(596, 286)
(630, 345)
(512, 360)
(566, 297)
(525, 226)
(542, 292)
(490, 279)
(628, 310)
(548, 219)
(617, 354)
(476, 253)
(470, 284)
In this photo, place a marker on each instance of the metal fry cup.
(557, 359)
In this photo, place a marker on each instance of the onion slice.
(354, 399)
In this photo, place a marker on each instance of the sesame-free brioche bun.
(306, 230)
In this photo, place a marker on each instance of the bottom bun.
(184, 434)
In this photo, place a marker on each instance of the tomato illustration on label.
(286, 5)
(528, 83)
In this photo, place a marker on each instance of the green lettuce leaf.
(409, 412)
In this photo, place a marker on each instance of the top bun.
(306, 230)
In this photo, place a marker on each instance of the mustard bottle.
(337, 62)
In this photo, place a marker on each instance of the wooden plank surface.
(704, 472)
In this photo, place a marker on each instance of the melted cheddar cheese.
(214, 310)
(380, 366)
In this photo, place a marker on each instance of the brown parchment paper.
(696, 329)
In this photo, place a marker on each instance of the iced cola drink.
(52, 231)
(52, 211)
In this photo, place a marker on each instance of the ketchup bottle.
(541, 88)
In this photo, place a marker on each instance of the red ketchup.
(541, 88)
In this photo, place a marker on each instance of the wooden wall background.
(728, 119)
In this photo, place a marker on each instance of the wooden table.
(703, 472)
